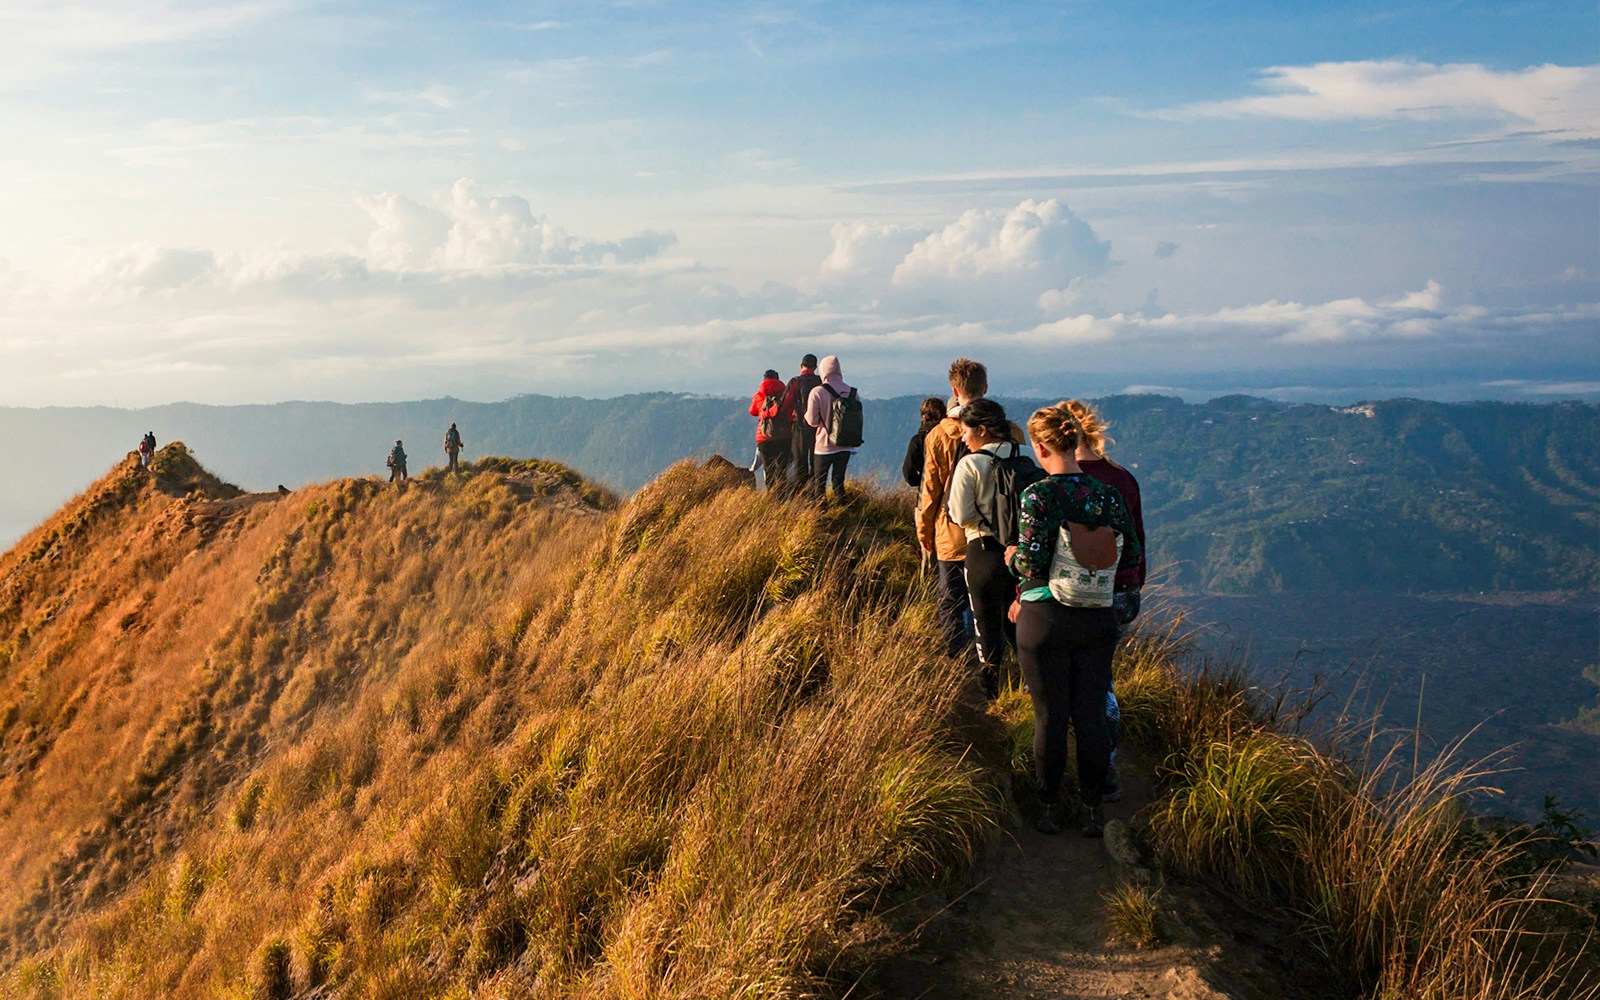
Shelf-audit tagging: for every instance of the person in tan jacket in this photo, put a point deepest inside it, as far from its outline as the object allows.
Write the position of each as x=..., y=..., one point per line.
x=945, y=540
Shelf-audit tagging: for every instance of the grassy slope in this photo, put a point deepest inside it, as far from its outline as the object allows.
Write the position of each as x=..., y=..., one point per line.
x=467, y=738
x=489, y=737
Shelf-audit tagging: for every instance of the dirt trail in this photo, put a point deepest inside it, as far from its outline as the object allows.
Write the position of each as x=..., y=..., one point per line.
x=1031, y=924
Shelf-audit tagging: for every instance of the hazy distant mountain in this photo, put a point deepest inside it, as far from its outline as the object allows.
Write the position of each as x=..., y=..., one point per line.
x=1241, y=494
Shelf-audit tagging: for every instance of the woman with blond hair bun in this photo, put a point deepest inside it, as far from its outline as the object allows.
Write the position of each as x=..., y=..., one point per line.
x=1092, y=458
x=1075, y=534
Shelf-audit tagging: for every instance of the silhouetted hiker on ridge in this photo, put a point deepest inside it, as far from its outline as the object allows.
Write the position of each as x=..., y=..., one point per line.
x=452, y=447
x=397, y=463
x=802, y=436
x=147, y=449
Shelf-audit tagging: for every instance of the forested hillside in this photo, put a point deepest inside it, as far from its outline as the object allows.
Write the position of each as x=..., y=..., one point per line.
x=1241, y=495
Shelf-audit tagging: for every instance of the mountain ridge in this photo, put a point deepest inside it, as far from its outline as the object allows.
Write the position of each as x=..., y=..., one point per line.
x=1242, y=495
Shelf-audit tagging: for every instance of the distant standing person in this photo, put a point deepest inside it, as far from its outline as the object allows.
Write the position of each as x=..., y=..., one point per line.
x=773, y=430
x=452, y=447
x=1074, y=530
x=834, y=410
x=147, y=449
x=803, y=436
x=397, y=463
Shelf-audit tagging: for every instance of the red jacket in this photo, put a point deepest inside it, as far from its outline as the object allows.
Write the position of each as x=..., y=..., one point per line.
x=769, y=387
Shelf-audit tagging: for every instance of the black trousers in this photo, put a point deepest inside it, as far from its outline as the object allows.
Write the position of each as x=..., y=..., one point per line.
x=990, y=590
x=774, y=463
x=953, y=607
x=830, y=470
x=803, y=449
x=1065, y=655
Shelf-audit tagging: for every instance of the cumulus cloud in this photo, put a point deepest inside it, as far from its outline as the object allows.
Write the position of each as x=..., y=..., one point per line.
x=144, y=269
x=474, y=230
x=1031, y=257
x=1558, y=99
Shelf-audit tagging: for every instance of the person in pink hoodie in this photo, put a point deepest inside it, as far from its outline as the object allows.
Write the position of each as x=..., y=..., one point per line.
x=772, y=431
x=838, y=426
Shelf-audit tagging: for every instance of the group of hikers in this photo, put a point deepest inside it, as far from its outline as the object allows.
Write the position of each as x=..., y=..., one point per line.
x=1042, y=553
x=452, y=449
x=812, y=423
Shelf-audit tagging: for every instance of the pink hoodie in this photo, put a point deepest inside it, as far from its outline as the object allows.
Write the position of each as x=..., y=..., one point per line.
x=821, y=402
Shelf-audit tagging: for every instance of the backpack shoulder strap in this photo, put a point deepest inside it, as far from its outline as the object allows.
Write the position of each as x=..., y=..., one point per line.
x=833, y=392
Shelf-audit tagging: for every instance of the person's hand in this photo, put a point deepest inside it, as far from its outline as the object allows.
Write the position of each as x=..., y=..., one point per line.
x=926, y=547
x=1011, y=551
x=1011, y=612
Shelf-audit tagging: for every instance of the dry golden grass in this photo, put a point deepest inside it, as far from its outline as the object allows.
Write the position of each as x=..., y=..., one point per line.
x=1374, y=861
x=495, y=736
x=479, y=737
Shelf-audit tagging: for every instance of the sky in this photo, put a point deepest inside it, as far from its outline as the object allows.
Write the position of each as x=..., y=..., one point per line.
x=284, y=199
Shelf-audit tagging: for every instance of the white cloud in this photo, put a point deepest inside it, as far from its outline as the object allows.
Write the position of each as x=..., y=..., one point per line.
x=1029, y=258
x=145, y=269
x=1560, y=99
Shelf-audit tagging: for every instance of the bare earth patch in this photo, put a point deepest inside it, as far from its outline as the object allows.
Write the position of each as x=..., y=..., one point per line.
x=1031, y=923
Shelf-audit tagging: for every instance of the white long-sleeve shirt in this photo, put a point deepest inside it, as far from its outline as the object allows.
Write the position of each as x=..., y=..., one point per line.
x=972, y=489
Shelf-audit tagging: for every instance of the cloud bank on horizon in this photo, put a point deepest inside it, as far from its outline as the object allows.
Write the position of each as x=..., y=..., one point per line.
x=243, y=202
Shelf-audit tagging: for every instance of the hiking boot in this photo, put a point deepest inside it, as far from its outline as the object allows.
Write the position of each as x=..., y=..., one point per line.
x=1049, y=820
x=991, y=682
x=1093, y=819
x=1113, y=791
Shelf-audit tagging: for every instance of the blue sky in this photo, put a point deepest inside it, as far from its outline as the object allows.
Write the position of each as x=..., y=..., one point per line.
x=249, y=202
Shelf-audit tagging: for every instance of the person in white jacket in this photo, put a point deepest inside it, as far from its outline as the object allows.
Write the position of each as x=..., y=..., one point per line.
x=831, y=458
x=987, y=435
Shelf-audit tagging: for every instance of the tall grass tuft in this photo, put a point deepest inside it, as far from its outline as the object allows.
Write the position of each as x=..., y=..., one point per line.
x=1370, y=853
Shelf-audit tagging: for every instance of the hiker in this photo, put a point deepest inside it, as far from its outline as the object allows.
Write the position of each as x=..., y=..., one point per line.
x=147, y=449
x=834, y=410
x=397, y=463
x=452, y=447
x=938, y=535
x=772, y=429
x=1074, y=533
x=1091, y=456
x=977, y=498
x=802, y=436
x=933, y=411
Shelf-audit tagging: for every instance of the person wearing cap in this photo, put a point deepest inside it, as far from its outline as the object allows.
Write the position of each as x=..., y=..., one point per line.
x=772, y=431
x=802, y=435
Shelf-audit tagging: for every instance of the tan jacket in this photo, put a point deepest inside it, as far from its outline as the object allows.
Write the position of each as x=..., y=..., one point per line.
x=941, y=449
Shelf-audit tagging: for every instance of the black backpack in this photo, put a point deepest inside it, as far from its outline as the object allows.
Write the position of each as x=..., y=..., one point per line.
x=845, y=427
x=1012, y=474
x=772, y=426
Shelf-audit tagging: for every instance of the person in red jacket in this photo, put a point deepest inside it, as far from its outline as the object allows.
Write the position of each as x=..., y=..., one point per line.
x=772, y=432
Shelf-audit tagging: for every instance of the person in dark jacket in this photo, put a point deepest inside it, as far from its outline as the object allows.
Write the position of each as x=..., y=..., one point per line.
x=397, y=463
x=772, y=430
x=802, y=435
x=933, y=411
x=452, y=448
